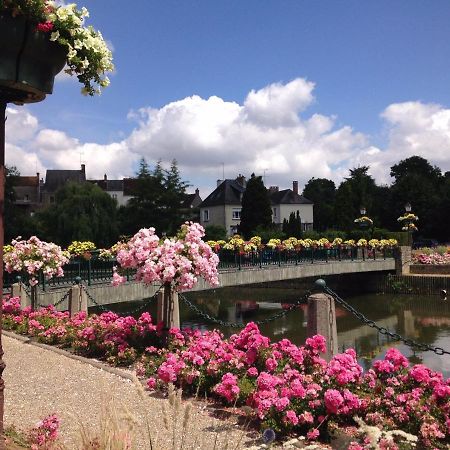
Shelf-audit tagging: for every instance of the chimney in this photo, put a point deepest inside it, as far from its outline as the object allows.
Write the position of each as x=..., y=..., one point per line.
x=105, y=178
x=219, y=182
x=83, y=168
x=241, y=180
x=197, y=192
x=295, y=187
x=273, y=189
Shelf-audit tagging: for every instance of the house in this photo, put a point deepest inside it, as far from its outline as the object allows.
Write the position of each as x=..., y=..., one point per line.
x=190, y=206
x=290, y=201
x=27, y=190
x=55, y=179
x=119, y=190
x=223, y=206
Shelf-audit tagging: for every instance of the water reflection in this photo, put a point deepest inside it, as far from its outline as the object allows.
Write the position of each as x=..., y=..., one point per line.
x=420, y=318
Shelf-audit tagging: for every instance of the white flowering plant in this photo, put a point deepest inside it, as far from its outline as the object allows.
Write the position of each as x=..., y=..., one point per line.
x=88, y=56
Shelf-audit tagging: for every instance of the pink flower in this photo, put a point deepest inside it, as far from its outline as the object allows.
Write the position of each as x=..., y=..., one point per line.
x=290, y=417
x=313, y=434
x=151, y=383
x=45, y=27
x=333, y=400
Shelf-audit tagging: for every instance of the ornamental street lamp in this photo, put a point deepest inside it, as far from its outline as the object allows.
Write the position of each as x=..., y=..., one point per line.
x=407, y=222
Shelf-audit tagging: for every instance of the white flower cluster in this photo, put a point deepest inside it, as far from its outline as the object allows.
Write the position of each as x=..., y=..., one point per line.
x=88, y=55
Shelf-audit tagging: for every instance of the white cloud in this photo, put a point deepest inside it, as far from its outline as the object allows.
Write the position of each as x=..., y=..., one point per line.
x=271, y=131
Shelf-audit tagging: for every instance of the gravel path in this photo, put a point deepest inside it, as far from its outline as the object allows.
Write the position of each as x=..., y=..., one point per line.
x=41, y=382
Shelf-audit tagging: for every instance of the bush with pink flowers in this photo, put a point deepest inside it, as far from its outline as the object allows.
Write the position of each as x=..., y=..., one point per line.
x=34, y=256
x=289, y=388
x=177, y=261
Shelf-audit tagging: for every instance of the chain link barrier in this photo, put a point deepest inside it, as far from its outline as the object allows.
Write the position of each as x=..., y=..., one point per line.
x=383, y=330
x=206, y=316
x=61, y=300
x=124, y=313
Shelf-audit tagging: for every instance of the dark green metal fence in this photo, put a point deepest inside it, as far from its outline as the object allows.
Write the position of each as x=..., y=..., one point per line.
x=95, y=270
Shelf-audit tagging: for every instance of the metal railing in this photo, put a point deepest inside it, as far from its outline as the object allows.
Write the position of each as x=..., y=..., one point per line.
x=96, y=270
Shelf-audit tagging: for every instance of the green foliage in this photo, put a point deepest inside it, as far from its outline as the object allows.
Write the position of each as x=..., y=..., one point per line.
x=82, y=212
x=256, y=210
x=331, y=235
x=215, y=233
x=322, y=192
x=269, y=232
x=157, y=202
x=293, y=226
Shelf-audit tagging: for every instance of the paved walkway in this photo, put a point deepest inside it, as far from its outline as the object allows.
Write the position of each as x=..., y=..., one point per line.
x=41, y=382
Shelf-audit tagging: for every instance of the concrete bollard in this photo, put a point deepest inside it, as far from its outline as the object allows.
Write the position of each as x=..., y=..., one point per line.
x=77, y=300
x=322, y=320
x=18, y=290
x=403, y=256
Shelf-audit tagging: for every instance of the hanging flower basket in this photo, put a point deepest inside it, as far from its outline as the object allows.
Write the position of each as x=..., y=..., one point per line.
x=29, y=61
x=38, y=39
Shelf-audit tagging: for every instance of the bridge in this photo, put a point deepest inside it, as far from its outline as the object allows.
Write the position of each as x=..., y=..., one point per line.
x=103, y=293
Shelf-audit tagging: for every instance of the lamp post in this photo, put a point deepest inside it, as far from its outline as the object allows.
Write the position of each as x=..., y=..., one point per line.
x=21, y=81
x=364, y=221
x=407, y=222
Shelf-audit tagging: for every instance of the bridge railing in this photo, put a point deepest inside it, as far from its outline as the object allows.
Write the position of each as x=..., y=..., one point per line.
x=96, y=270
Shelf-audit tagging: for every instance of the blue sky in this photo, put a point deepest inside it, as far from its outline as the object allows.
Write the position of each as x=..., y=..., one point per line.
x=373, y=75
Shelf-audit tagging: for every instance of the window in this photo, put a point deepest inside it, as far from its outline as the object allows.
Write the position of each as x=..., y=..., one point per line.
x=205, y=215
x=114, y=196
x=26, y=198
x=236, y=214
x=274, y=212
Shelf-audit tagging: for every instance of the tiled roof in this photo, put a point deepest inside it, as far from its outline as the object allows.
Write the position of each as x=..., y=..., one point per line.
x=109, y=185
x=26, y=181
x=55, y=179
x=229, y=192
x=288, y=197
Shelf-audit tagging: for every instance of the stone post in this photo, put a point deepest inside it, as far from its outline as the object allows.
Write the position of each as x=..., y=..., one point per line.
x=403, y=260
x=18, y=290
x=77, y=300
x=322, y=320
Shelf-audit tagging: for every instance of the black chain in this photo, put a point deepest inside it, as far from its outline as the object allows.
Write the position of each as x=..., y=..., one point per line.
x=276, y=316
x=64, y=297
x=134, y=311
x=383, y=330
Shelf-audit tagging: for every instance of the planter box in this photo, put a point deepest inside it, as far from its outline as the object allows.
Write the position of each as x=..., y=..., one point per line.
x=428, y=269
x=29, y=61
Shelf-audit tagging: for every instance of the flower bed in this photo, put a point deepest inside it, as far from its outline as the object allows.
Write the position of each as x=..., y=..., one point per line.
x=289, y=389
x=431, y=258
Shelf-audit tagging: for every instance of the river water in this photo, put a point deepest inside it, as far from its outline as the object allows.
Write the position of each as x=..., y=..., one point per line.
x=424, y=319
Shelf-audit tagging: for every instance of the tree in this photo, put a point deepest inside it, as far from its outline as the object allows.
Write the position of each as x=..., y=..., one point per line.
x=215, y=233
x=157, y=200
x=323, y=193
x=422, y=185
x=256, y=210
x=293, y=226
x=82, y=211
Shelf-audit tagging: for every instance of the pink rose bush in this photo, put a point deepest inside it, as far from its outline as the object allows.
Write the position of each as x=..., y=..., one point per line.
x=34, y=256
x=178, y=261
x=118, y=340
x=289, y=388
